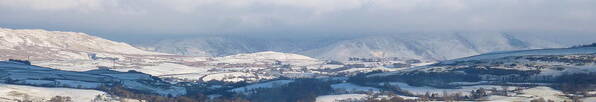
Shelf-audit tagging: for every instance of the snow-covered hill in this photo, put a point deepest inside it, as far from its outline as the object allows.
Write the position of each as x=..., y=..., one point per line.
x=217, y=46
x=41, y=44
x=547, y=72
x=267, y=57
x=422, y=46
x=427, y=46
x=543, y=65
x=12, y=72
x=537, y=52
x=19, y=93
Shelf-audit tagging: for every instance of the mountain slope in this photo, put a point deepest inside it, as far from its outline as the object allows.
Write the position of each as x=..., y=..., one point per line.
x=557, y=65
x=215, y=46
x=14, y=72
x=267, y=56
x=424, y=46
x=41, y=44
x=427, y=46
x=16, y=93
x=537, y=52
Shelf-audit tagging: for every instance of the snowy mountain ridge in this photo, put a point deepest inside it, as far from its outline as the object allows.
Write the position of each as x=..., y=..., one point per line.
x=217, y=46
x=421, y=46
x=428, y=46
x=42, y=44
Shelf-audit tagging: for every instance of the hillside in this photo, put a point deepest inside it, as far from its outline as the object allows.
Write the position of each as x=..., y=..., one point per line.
x=428, y=46
x=421, y=46
x=267, y=57
x=16, y=93
x=525, y=66
x=12, y=72
x=42, y=45
x=217, y=46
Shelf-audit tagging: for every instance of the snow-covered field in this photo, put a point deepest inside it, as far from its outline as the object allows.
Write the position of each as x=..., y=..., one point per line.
x=589, y=99
x=168, y=69
x=353, y=97
x=230, y=77
x=464, y=90
x=338, y=98
x=267, y=57
x=534, y=93
x=10, y=93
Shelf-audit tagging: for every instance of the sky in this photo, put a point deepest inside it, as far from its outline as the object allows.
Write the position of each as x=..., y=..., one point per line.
x=156, y=18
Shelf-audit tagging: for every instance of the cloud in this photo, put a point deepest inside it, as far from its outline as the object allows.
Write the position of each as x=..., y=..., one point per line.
x=297, y=16
x=49, y=5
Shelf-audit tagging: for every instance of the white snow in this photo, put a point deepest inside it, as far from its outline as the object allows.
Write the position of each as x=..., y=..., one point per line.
x=495, y=98
x=366, y=70
x=10, y=92
x=526, y=95
x=464, y=90
x=547, y=93
x=42, y=44
x=589, y=99
x=267, y=57
x=338, y=98
x=167, y=69
x=230, y=77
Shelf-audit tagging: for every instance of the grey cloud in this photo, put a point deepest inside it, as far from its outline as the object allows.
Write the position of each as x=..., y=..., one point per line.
x=298, y=16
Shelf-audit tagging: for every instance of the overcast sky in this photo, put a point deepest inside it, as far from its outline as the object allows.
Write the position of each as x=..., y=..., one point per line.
x=297, y=17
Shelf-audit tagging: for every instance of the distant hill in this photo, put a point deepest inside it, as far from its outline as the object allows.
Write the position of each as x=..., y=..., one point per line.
x=423, y=46
x=23, y=74
x=42, y=44
x=523, y=66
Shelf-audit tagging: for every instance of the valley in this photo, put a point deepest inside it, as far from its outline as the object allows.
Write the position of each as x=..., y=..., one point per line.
x=108, y=74
x=297, y=51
